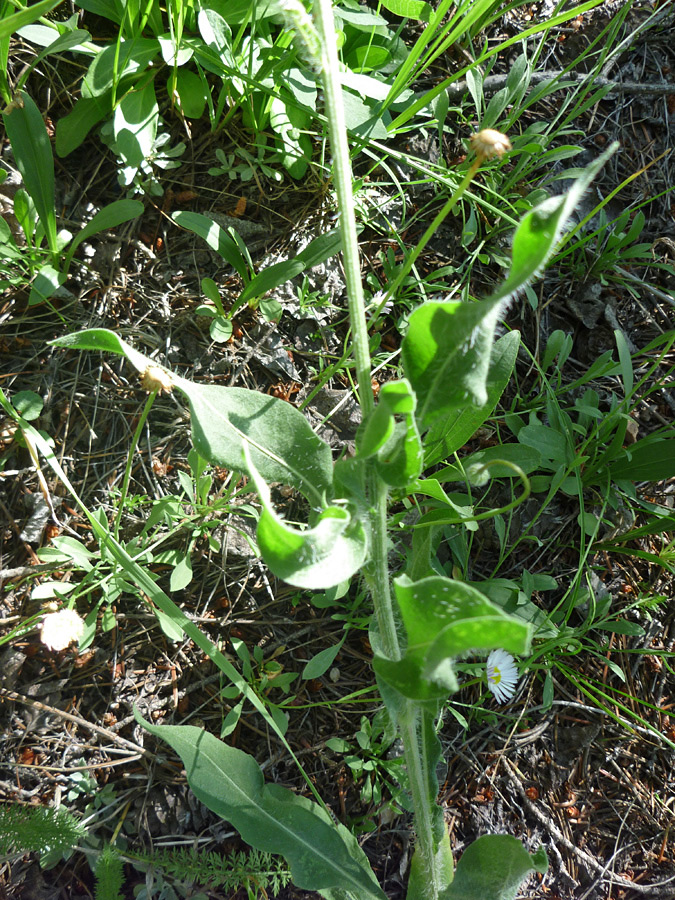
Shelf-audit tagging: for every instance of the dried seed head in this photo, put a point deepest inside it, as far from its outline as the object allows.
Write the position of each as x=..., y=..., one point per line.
x=488, y=143
x=156, y=379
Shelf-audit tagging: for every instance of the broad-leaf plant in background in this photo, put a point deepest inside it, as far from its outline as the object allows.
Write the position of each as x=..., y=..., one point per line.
x=453, y=373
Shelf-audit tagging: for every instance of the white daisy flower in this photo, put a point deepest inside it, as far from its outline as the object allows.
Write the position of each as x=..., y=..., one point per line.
x=502, y=675
x=59, y=629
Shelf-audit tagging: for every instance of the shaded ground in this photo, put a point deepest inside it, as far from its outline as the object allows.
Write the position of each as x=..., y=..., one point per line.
x=593, y=786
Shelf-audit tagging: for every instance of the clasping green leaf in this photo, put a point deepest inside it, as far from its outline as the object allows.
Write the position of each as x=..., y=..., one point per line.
x=320, y=557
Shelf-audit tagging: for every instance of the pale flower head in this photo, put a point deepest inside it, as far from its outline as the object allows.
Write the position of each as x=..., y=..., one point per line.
x=154, y=378
x=488, y=143
x=502, y=675
x=60, y=629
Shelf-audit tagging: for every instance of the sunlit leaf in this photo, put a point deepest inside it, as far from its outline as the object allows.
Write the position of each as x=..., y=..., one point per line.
x=494, y=866
x=322, y=855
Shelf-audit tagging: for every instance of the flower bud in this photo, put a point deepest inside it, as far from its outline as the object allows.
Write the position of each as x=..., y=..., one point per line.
x=488, y=143
x=156, y=379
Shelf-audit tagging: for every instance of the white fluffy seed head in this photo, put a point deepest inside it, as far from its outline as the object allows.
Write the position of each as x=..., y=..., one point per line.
x=60, y=629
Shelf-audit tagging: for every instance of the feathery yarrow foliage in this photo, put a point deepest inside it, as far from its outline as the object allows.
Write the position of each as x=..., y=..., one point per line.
x=37, y=829
x=251, y=870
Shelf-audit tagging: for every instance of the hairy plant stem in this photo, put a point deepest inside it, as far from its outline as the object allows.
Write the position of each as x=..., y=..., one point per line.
x=342, y=176
x=377, y=570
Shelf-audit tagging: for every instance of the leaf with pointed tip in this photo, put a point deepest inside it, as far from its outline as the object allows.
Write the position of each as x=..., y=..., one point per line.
x=446, y=351
x=282, y=445
x=444, y=619
x=322, y=856
x=32, y=151
x=450, y=432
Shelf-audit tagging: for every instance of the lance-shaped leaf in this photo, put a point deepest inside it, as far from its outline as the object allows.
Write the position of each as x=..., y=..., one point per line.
x=12, y=23
x=446, y=351
x=217, y=238
x=33, y=154
x=320, y=557
x=110, y=216
x=494, y=866
x=281, y=442
x=443, y=619
x=322, y=856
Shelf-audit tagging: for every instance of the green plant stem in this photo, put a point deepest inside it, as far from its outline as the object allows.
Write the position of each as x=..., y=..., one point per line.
x=410, y=728
x=377, y=570
x=130, y=459
x=342, y=176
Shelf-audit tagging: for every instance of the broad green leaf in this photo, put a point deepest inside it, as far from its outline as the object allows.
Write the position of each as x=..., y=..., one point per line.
x=362, y=119
x=322, y=661
x=116, y=61
x=110, y=216
x=191, y=93
x=28, y=404
x=220, y=330
x=446, y=351
x=282, y=445
x=135, y=122
x=493, y=867
x=322, y=855
x=409, y=9
x=217, y=239
x=109, y=9
x=52, y=41
x=33, y=155
x=45, y=285
x=444, y=619
x=72, y=129
x=319, y=557
x=446, y=355
x=12, y=23
x=182, y=574
x=290, y=123
x=449, y=433
x=551, y=444
x=651, y=459
x=213, y=28
x=172, y=54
